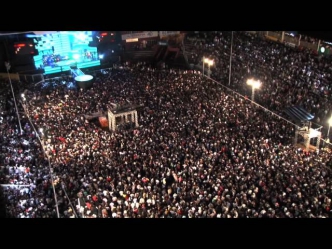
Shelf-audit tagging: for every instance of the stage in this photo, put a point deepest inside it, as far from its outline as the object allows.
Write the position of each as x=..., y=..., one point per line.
x=63, y=66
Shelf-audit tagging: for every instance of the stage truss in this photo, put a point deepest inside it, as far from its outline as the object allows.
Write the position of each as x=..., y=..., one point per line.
x=126, y=115
x=307, y=133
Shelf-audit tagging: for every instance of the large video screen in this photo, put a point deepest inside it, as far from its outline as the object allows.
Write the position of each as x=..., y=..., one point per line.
x=59, y=50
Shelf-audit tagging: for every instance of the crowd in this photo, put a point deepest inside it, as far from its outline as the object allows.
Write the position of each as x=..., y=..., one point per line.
x=289, y=76
x=198, y=152
x=22, y=164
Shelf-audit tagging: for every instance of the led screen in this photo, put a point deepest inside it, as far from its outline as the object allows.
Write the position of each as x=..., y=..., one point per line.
x=59, y=50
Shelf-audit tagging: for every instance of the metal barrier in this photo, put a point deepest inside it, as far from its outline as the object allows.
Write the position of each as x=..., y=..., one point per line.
x=31, y=78
x=35, y=78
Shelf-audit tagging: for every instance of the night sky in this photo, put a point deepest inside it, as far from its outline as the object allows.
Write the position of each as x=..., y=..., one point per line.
x=323, y=35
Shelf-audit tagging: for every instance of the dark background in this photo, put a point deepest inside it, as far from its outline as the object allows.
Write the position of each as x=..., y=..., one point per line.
x=323, y=35
x=24, y=62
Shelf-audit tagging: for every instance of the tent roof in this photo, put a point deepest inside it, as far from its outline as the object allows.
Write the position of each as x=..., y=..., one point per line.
x=298, y=114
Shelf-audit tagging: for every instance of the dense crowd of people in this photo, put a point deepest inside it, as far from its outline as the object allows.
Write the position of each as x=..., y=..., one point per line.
x=199, y=152
x=289, y=76
x=22, y=164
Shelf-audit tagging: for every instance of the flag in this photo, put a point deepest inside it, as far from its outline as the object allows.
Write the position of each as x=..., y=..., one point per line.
x=7, y=64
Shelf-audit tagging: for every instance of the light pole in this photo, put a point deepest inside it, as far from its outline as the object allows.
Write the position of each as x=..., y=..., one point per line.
x=328, y=131
x=48, y=159
x=254, y=85
x=64, y=190
x=210, y=63
x=230, y=62
x=7, y=64
x=204, y=60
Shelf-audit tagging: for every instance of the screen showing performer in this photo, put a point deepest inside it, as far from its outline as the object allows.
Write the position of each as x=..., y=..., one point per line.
x=59, y=50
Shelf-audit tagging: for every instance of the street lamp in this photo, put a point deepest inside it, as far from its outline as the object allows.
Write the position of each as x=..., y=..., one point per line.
x=209, y=62
x=255, y=84
x=328, y=131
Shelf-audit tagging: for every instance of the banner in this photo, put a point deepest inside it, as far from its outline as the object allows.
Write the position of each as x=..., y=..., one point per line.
x=132, y=40
x=145, y=34
x=167, y=33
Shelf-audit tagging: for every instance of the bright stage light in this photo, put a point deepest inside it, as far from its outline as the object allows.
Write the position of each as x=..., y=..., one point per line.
x=101, y=56
x=83, y=78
